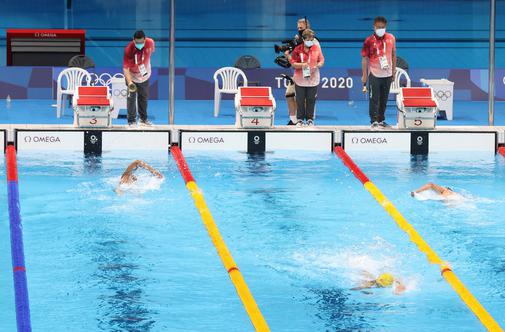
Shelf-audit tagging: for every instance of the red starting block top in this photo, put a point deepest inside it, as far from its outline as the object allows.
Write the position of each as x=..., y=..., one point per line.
x=255, y=91
x=419, y=102
x=93, y=101
x=256, y=101
x=416, y=92
x=92, y=91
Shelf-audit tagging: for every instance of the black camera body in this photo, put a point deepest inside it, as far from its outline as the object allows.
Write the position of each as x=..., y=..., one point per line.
x=286, y=45
x=282, y=61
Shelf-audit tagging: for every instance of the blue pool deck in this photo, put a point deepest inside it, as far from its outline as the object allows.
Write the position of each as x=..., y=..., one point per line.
x=200, y=112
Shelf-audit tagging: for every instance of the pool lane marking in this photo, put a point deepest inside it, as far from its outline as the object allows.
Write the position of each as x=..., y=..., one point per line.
x=445, y=270
x=236, y=277
x=501, y=150
x=17, y=249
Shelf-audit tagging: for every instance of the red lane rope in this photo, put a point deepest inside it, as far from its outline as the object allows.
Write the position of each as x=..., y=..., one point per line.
x=501, y=150
x=352, y=166
x=181, y=163
x=12, y=169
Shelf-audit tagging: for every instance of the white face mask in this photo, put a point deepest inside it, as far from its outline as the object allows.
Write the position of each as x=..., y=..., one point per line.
x=380, y=32
x=309, y=43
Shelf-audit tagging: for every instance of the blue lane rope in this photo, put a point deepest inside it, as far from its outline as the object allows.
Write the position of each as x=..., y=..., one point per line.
x=17, y=248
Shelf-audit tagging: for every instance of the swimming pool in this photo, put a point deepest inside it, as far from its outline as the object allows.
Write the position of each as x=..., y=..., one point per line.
x=299, y=225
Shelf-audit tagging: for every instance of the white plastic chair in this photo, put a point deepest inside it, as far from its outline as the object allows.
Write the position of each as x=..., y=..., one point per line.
x=74, y=77
x=229, y=78
x=395, y=85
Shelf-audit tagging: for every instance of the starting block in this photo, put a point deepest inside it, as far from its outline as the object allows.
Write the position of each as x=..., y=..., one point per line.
x=255, y=107
x=92, y=107
x=417, y=108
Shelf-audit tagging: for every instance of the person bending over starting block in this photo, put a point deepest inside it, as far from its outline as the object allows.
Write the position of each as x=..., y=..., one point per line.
x=129, y=178
x=443, y=191
x=383, y=281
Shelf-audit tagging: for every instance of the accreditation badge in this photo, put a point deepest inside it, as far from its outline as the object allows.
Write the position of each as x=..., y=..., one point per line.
x=384, y=62
x=142, y=70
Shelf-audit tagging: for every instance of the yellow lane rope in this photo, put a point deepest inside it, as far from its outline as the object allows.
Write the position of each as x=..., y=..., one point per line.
x=236, y=277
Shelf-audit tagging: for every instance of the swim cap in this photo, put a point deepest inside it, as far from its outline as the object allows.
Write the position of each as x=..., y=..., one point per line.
x=385, y=280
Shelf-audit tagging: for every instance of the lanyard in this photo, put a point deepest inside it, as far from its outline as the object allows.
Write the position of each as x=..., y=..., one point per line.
x=301, y=57
x=384, y=42
x=136, y=61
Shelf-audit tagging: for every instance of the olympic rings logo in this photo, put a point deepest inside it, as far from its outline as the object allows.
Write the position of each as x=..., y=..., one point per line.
x=443, y=95
x=119, y=92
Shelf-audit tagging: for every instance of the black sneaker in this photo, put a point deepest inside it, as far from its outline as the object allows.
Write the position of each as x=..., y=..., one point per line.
x=383, y=124
x=145, y=123
x=374, y=125
x=291, y=123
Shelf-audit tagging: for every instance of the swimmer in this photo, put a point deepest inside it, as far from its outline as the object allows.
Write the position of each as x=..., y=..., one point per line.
x=129, y=178
x=443, y=191
x=383, y=281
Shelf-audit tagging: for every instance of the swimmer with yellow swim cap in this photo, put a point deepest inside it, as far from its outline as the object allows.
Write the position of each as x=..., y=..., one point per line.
x=382, y=281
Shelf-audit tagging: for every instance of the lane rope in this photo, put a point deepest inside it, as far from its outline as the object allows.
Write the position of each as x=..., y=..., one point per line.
x=234, y=273
x=445, y=270
x=17, y=248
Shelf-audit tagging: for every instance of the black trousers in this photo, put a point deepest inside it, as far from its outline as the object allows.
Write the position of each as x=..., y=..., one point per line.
x=305, y=102
x=138, y=101
x=378, y=88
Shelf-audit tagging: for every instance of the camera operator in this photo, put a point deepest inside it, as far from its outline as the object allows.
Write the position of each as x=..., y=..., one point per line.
x=306, y=59
x=301, y=25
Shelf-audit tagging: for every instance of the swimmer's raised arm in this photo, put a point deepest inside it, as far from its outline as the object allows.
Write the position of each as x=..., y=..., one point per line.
x=128, y=176
x=145, y=165
x=433, y=186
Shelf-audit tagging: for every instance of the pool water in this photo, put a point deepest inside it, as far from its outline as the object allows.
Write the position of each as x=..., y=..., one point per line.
x=300, y=227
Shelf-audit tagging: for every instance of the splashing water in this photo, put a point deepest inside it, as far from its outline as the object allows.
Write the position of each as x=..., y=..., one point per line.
x=144, y=183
